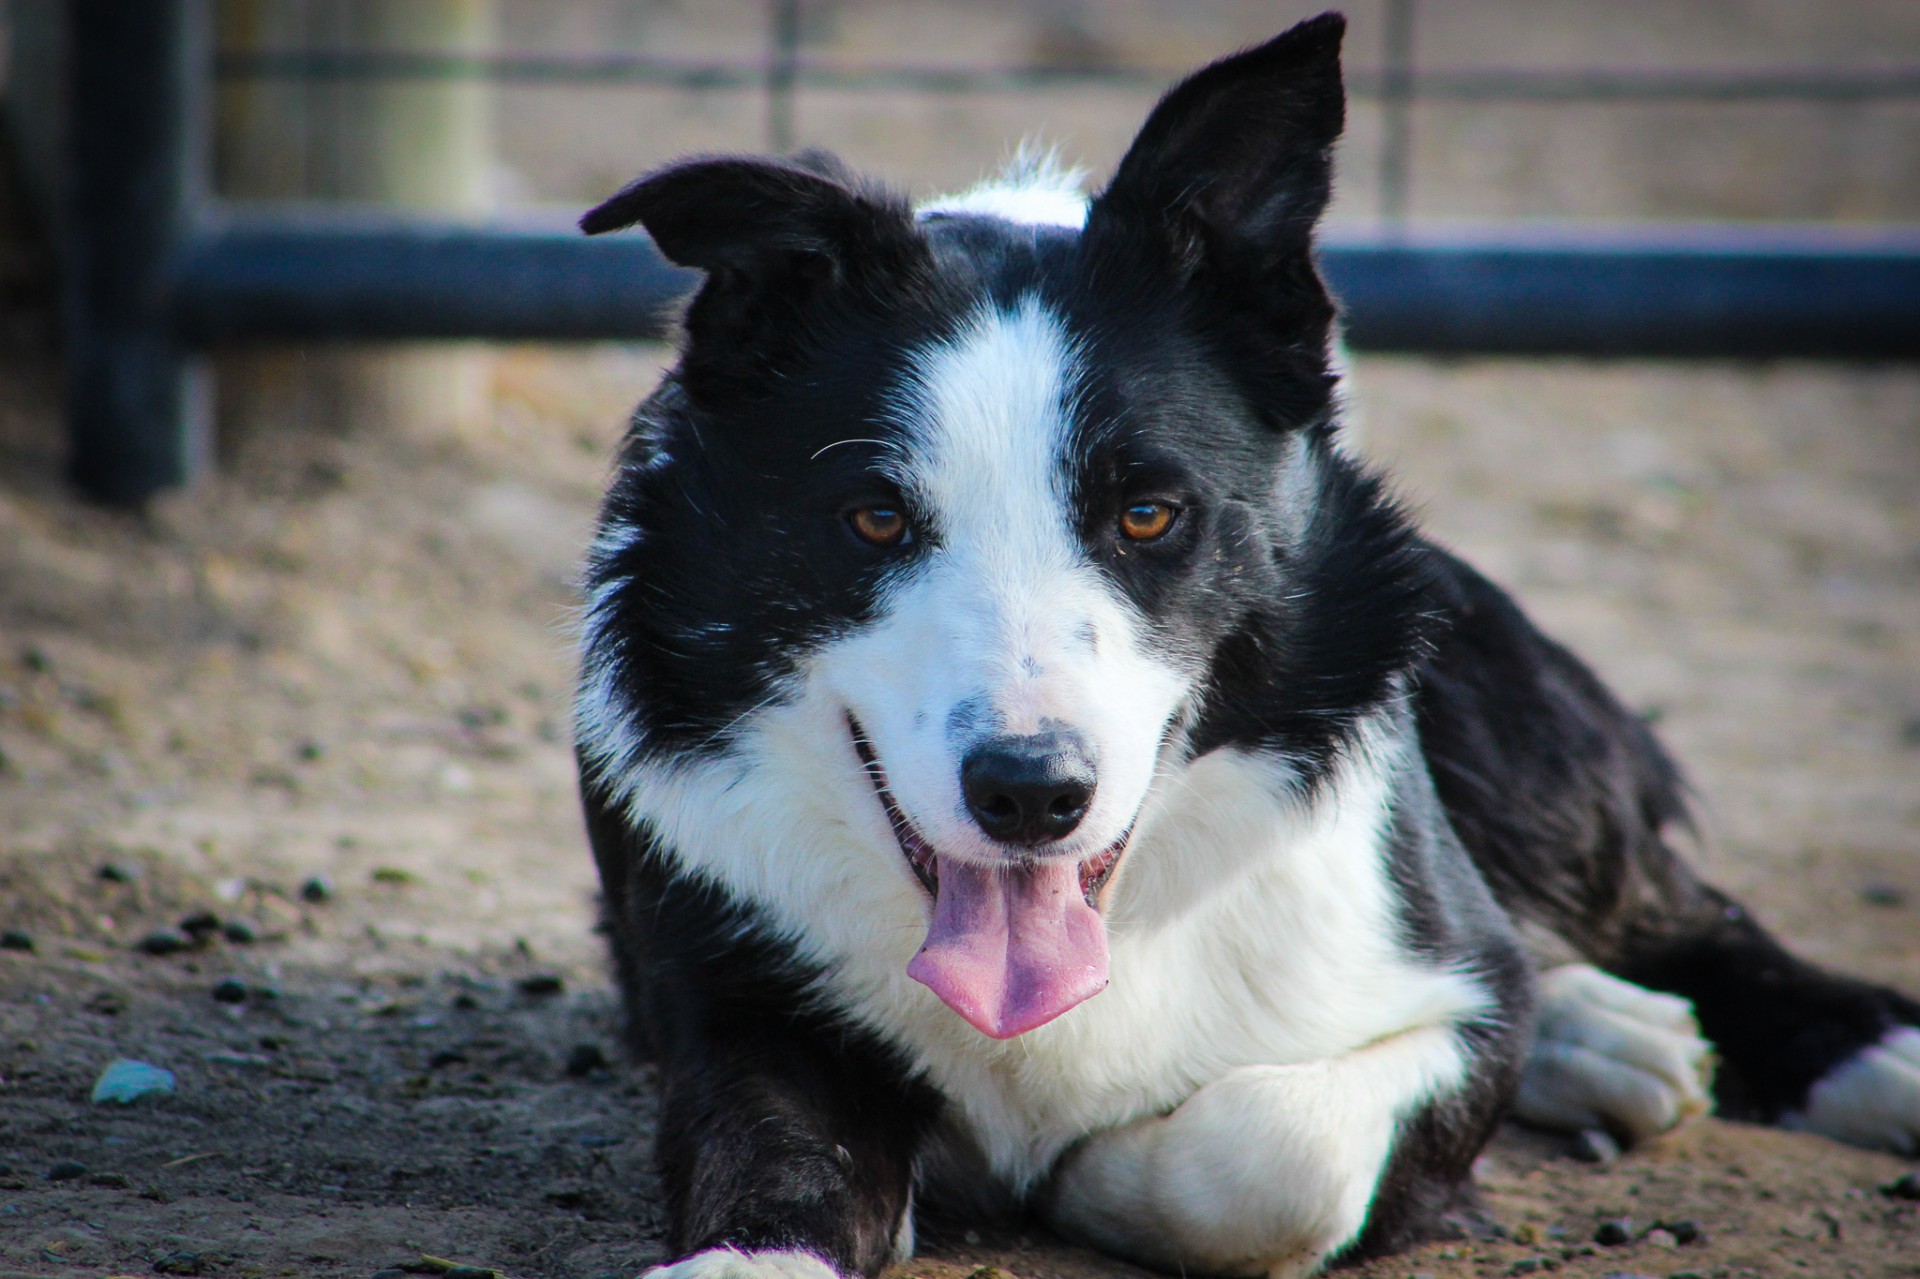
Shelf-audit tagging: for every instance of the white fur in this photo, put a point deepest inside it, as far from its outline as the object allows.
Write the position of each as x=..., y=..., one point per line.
x=1872, y=1100
x=1612, y=1055
x=731, y=1263
x=1249, y=928
x=1035, y=189
x=1266, y=1170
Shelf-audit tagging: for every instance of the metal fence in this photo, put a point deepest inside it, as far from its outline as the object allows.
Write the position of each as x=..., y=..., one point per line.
x=157, y=271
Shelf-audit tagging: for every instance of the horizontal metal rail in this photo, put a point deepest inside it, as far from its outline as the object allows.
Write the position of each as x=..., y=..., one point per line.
x=1865, y=84
x=1714, y=291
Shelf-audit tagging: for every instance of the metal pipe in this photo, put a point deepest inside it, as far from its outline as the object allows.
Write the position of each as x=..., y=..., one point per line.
x=138, y=416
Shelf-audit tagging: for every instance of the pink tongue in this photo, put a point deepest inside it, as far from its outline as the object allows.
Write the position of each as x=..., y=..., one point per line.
x=1012, y=948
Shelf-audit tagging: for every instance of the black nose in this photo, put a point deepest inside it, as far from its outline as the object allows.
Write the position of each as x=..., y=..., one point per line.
x=1028, y=790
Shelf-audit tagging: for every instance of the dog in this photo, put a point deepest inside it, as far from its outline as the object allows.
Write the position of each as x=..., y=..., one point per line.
x=1034, y=770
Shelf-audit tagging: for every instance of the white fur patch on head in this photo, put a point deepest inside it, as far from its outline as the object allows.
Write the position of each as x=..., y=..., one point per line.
x=1034, y=189
x=1612, y=1055
x=1872, y=1099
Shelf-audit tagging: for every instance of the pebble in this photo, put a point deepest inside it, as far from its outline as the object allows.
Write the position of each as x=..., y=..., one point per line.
x=316, y=888
x=585, y=1059
x=1614, y=1232
x=14, y=939
x=66, y=1170
x=119, y=872
x=542, y=984
x=1880, y=893
x=200, y=925
x=1905, y=1186
x=1684, y=1232
x=231, y=991
x=1659, y=1238
x=1595, y=1146
x=165, y=941
x=240, y=932
x=126, y=1081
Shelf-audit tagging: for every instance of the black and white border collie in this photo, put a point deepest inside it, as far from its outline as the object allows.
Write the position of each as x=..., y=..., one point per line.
x=1033, y=769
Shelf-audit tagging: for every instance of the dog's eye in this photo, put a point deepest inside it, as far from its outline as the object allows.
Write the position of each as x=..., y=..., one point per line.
x=879, y=525
x=1146, y=521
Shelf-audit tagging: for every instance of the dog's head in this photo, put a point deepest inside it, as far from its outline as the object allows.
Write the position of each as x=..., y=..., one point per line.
x=1038, y=509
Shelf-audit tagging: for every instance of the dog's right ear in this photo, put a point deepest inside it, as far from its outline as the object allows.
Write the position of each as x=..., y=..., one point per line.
x=774, y=237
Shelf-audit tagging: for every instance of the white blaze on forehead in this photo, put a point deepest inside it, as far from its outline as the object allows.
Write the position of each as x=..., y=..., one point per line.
x=985, y=450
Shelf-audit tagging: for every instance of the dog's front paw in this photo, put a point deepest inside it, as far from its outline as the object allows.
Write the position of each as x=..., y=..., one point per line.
x=1872, y=1099
x=1609, y=1054
x=733, y=1263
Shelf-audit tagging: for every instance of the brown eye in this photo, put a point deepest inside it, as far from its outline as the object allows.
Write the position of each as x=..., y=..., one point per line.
x=878, y=525
x=1145, y=521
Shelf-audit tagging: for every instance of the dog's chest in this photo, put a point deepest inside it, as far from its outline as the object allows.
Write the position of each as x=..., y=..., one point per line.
x=1248, y=932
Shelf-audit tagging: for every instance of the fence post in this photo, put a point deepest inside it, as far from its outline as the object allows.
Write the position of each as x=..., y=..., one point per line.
x=137, y=404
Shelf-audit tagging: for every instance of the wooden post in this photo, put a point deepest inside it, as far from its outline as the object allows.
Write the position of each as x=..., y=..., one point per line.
x=420, y=144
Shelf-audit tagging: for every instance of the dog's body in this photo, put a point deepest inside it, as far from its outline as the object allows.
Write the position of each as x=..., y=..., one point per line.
x=1030, y=765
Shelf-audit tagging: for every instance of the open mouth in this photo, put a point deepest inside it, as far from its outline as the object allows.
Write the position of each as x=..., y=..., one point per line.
x=1095, y=871
x=1009, y=947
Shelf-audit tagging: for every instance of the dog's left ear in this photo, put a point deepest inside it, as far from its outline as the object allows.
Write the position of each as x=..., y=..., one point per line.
x=1233, y=168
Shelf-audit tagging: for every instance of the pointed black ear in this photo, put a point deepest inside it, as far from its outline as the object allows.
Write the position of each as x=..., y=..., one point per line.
x=774, y=237
x=1236, y=162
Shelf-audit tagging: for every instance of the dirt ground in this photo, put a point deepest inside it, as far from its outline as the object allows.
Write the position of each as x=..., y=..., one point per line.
x=346, y=658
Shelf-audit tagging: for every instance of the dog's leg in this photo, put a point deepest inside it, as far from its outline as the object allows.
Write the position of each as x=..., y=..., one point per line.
x=787, y=1140
x=1268, y=1170
x=1568, y=806
x=1609, y=1054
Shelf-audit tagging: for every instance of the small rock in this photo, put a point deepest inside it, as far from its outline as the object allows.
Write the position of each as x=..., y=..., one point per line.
x=126, y=1081
x=446, y=1057
x=119, y=872
x=67, y=1170
x=110, y=1180
x=541, y=984
x=231, y=991
x=1905, y=1186
x=165, y=941
x=1880, y=893
x=1613, y=1232
x=1595, y=1146
x=1684, y=1232
x=585, y=1059
x=240, y=932
x=316, y=888
x=200, y=925
x=14, y=939
x=1662, y=1239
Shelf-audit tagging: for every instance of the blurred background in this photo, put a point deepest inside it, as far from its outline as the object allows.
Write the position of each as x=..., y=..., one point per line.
x=322, y=689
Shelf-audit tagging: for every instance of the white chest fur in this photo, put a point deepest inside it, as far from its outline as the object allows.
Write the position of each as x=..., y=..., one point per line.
x=1246, y=928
